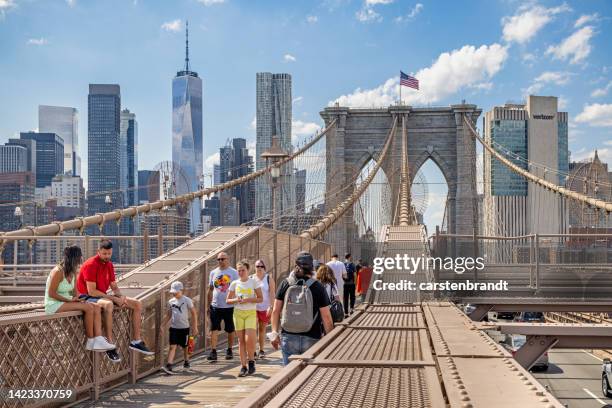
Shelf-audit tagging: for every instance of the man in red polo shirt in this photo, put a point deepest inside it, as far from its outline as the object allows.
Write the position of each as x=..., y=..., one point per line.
x=97, y=275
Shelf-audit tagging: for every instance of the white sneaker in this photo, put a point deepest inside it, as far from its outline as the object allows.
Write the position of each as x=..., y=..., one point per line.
x=90, y=344
x=101, y=344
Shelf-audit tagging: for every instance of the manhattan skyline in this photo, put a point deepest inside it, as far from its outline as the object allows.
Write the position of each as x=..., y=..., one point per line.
x=349, y=51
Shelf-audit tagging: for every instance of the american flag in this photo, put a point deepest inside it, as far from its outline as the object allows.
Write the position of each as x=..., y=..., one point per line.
x=409, y=81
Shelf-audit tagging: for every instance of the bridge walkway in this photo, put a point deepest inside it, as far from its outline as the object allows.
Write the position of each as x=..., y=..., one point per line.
x=211, y=385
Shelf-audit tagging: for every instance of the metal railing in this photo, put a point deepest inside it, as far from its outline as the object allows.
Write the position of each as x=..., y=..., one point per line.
x=536, y=261
x=47, y=351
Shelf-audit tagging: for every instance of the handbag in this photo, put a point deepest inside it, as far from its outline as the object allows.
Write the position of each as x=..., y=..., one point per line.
x=335, y=307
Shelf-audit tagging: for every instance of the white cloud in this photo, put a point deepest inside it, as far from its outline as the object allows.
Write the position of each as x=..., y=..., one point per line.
x=555, y=77
x=37, y=41
x=529, y=19
x=174, y=25
x=602, y=91
x=253, y=124
x=210, y=161
x=597, y=114
x=562, y=102
x=297, y=100
x=452, y=71
x=413, y=13
x=300, y=129
x=5, y=5
x=211, y=2
x=289, y=58
x=368, y=14
x=586, y=18
x=312, y=19
x=71, y=3
x=575, y=46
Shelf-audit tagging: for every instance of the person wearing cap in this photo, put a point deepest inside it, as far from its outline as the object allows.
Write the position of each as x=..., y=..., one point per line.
x=180, y=309
x=298, y=343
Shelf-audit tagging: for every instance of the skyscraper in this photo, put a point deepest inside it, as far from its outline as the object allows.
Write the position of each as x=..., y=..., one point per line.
x=13, y=159
x=187, y=132
x=104, y=159
x=63, y=121
x=273, y=119
x=49, y=156
x=129, y=157
x=537, y=133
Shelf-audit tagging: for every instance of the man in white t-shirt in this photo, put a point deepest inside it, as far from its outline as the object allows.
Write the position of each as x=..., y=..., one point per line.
x=339, y=273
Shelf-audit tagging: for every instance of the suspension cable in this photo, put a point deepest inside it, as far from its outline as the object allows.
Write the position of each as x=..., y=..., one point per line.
x=320, y=227
x=116, y=215
x=601, y=204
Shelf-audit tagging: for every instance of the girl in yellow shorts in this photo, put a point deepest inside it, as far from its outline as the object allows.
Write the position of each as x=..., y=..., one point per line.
x=244, y=294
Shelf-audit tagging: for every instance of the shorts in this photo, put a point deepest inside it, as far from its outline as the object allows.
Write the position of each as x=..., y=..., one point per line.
x=89, y=299
x=225, y=314
x=179, y=337
x=245, y=319
x=262, y=317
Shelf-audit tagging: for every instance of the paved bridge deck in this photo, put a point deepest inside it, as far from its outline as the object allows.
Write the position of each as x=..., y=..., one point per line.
x=211, y=385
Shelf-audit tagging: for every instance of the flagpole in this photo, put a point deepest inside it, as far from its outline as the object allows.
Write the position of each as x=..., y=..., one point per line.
x=400, y=88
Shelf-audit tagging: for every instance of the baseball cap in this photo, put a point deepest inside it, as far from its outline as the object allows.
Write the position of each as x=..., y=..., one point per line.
x=304, y=260
x=176, y=287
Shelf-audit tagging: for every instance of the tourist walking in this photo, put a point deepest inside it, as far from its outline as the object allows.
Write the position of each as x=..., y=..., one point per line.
x=264, y=309
x=349, y=286
x=220, y=311
x=244, y=294
x=339, y=273
x=301, y=310
x=180, y=310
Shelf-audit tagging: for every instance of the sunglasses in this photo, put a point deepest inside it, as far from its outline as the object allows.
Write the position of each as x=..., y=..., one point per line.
x=221, y=259
x=259, y=266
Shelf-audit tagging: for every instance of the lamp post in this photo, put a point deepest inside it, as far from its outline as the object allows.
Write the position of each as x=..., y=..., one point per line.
x=19, y=215
x=273, y=156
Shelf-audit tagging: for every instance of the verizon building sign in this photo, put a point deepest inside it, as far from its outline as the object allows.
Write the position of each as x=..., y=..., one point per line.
x=544, y=117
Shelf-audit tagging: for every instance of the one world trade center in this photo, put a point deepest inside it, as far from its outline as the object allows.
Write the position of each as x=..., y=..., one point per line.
x=187, y=134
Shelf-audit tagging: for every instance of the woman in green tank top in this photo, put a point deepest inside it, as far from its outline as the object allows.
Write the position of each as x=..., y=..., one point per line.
x=60, y=297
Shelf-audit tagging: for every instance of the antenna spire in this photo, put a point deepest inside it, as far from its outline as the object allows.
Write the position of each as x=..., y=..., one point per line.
x=187, y=45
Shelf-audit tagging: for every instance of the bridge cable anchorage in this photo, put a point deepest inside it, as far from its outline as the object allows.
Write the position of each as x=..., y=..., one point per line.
x=601, y=204
x=334, y=215
x=80, y=223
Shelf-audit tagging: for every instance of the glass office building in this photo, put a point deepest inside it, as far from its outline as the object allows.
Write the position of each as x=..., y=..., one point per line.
x=537, y=133
x=63, y=121
x=187, y=149
x=103, y=148
x=49, y=156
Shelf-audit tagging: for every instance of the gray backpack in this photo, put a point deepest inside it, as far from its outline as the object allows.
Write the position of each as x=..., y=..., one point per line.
x=297, y=314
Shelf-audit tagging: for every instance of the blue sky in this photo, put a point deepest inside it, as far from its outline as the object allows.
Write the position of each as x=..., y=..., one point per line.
x=486, y=52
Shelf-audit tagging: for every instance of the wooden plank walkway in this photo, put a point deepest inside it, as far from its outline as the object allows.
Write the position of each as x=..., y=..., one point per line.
x=210, y=385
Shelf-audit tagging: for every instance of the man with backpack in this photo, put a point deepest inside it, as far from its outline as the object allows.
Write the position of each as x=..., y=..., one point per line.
x=301, y=310
x=349, y=285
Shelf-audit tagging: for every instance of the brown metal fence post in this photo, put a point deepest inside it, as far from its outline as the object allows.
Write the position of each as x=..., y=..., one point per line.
x=96, y=376
x=537, y=261
x=145, y=243
x=15, y=249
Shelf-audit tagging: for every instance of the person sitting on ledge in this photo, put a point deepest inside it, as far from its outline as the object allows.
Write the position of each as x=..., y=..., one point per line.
x=60, y=297
x=97, y=275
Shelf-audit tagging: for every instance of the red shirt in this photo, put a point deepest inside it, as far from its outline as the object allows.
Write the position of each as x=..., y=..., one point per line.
x=94, y=270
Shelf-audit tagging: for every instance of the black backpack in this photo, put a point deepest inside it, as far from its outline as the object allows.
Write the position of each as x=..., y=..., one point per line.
x=335, y=307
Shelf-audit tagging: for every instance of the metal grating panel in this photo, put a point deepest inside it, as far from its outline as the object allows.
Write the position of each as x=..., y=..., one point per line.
x=392, y=321
x=367, y=387
x=378, y=345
